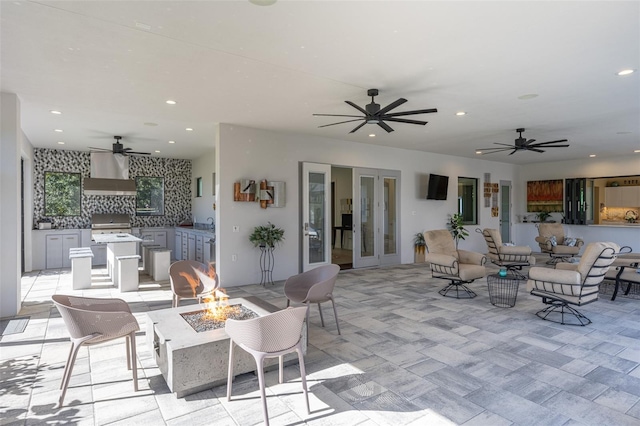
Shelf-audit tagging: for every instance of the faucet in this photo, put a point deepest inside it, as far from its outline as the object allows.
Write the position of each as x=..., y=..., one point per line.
x=213, y=225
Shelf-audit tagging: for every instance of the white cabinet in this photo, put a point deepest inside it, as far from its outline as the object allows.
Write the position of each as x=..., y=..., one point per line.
x=158, y=237
x=57, y=249
x=178, y=245
x=622, y=196
x=191, y=246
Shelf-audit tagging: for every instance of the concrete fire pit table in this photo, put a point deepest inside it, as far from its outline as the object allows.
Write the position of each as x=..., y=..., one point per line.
x=192, y=361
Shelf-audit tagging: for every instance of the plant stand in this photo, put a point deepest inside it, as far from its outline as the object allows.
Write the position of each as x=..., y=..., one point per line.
x=266, y=264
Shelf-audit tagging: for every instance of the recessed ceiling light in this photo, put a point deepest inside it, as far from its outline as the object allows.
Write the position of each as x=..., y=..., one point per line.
x=626, y=72
x=53, y=111
x=478, y=152
x=372, y=135
x=57, y=130
x=637, y=150
x=461, y=113
x=60, y=143
x=528, y=96
x=172, y=141
x=170, y=102
x=157, y=151
x=592, y=155
x=150, y=124
x=189, y=129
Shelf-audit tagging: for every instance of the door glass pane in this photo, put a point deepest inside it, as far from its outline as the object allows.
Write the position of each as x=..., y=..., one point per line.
x=390, y=214
x=367, y=213
x=317, y=213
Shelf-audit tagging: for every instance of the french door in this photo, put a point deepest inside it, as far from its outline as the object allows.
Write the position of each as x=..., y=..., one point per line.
x=316, y=212
x=376, y=213
x=505, y=210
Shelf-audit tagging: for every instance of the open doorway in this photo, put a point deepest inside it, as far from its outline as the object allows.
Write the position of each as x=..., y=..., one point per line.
x=342, y=217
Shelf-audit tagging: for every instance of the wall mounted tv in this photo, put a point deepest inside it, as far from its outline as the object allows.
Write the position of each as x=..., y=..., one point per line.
x=437, y=187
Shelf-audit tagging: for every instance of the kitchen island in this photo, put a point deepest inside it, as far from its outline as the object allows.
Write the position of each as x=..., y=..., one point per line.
x=117, y=245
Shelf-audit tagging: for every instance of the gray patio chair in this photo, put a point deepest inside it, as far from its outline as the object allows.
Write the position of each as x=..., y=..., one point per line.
x=270, y=336
x=91, y=321
x=191, y=280
x=314, y=286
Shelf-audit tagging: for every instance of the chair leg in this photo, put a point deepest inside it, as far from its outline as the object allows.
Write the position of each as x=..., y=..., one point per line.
x=556, y=308
x=303, y=375
x=335, y=312
x=134, y=361
x=281, y=369
x=128, y=350
x=66, y=366
x=230, y=370
x=66, y=378
x=263, y=395
x=288, y=302
x=321, y=318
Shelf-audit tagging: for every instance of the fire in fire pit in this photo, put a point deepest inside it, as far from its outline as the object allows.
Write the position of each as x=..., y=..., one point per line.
x=202, y=320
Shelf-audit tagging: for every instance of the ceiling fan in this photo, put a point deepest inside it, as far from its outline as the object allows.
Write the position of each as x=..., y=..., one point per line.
x=522, y=144
x=374, y=115
x=118, y=148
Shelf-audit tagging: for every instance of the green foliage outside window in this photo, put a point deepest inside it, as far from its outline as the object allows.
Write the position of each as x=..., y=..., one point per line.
x=62, y=194
x=149, y=196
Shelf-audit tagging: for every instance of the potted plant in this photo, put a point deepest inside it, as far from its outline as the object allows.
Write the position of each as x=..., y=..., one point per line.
x=456, y=227
x=419, y=247
x=543, y=216
x=266, y=236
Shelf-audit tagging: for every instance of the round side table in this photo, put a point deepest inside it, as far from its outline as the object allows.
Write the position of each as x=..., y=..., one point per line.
x=503, y=291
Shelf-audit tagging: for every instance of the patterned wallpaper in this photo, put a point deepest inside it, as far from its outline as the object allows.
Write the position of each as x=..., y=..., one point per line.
x=177, y=189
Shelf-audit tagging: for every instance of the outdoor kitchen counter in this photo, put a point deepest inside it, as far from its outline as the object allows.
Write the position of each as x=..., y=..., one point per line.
x=117, y=245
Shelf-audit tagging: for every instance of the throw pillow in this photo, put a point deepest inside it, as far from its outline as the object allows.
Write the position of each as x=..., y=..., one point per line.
x=570, y=242
x=553, y=241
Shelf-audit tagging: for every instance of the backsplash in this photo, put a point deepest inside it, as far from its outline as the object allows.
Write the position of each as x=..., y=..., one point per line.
x=177, y=189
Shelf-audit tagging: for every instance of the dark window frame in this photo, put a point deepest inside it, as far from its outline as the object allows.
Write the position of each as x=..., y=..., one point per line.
x=468, y=218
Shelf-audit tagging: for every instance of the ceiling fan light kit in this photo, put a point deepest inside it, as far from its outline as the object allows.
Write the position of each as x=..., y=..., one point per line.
x=373, y=114
x=522, y=144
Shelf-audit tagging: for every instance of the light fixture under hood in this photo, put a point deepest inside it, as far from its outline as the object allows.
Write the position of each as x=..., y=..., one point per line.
x=109, y=175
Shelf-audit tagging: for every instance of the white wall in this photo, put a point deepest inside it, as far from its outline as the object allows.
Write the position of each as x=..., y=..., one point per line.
x=11, y=138
x=204, y=167
x=259, y=154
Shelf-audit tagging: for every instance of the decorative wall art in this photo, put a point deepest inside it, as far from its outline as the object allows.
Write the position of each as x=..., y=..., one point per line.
x=544, y=196
x=267, y=193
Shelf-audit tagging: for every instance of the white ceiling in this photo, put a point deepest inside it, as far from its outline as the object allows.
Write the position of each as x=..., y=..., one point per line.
x=109, y=66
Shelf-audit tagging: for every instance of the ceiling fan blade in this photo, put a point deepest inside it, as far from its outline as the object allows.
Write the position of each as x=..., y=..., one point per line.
x=334, y=115
x=362, y=110
x=391, y=106
x=549, y=146
x=100, y=149
x=385, y=126
x=341, y=122
x=417, y=111
x=359, y=125
x=404, y=120
x=550, y=142
x=513, y=152
x=138, y=153
x=492, y=150
x=535, y=150
x=503, y=144
x=529, y=141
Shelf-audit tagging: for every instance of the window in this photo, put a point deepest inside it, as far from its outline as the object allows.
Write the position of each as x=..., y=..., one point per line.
x=199, y=187
x=149, y=196
x=468, y=200
x=62, y=194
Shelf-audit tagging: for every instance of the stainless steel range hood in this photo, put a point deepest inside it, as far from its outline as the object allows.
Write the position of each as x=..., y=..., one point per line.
x=109, y=175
